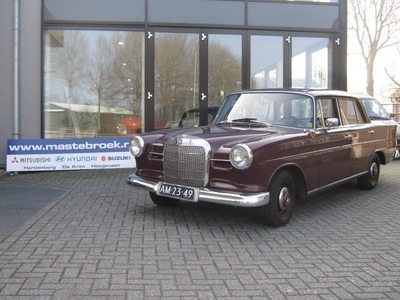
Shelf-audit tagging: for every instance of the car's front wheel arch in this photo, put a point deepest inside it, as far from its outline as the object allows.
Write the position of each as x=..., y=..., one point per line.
x=298, y=177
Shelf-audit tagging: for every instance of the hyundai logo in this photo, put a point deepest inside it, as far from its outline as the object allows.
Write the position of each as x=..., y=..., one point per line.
x=60, y=159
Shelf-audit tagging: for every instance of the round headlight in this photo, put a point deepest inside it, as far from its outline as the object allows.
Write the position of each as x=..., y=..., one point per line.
x=241, y=156
x=136, y=145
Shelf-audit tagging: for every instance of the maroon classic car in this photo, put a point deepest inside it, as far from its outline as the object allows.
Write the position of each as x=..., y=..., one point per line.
x=264, y=149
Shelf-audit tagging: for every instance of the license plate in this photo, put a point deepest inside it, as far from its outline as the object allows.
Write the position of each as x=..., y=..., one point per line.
x=177, y=191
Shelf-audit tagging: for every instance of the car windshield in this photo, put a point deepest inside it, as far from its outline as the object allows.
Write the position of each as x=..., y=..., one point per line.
x=281, y=109
x=375, y=110
x=191, y=117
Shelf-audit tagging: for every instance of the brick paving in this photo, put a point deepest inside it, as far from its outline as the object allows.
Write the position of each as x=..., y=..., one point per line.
x=103, y=239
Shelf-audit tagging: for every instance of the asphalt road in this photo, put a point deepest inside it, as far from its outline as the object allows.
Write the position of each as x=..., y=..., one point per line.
x=20, y=202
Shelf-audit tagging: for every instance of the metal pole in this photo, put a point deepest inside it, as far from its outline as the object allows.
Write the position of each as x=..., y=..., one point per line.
x=16, y=132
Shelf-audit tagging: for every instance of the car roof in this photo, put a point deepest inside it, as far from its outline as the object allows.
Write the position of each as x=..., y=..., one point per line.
x=310, y=92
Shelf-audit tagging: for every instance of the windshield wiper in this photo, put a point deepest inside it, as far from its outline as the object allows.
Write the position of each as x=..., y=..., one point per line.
x=251, y=121
x=245, y=120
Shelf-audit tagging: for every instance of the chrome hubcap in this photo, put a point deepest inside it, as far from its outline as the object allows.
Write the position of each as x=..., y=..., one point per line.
x=373, y=170
x=284, y=198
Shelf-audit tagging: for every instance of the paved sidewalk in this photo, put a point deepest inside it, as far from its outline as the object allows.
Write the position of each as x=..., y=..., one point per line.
x=102, y=239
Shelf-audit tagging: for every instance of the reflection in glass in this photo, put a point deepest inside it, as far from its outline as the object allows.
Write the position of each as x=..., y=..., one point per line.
x=311, y=63
x=191, y=117
x=93, y=83
x=224, y=66
x=266, y=61
x=263, y=109
x=176, y=76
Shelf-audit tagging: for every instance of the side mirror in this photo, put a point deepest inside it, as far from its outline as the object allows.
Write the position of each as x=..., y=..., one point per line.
x=332, y=122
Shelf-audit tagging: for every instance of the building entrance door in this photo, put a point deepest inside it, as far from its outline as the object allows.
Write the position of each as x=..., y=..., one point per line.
x=176, y=77
x=224, y=66
x=311, y=61
x=189, y=75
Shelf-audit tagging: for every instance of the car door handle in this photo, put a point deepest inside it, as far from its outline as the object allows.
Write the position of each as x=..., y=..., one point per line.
x=371, y=131
x=347, y=136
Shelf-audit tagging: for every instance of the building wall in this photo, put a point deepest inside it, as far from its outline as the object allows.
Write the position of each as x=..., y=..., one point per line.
x=6, y=75
x=30, y=72
x=30, y=85
x=30, y=69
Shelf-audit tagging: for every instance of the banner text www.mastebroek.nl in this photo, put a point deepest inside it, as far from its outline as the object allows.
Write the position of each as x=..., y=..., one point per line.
x=69, y=154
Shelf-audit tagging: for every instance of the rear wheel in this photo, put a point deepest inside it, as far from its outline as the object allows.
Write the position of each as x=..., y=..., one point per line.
x=282, y=199
x=370, y=180
x=163, y=201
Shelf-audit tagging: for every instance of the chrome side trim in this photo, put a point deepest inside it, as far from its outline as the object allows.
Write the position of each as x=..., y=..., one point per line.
x=336, y=183
x=206, y=195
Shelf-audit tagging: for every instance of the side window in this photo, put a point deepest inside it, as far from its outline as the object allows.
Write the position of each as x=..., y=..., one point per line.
x=350, y=111
x=360, y=116
x=326, y=108
x=347, y=111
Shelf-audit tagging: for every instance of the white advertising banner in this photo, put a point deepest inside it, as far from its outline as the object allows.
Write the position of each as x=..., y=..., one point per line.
x=69, y=154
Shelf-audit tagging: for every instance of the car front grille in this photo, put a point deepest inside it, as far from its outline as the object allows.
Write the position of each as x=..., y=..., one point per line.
x=186, y=161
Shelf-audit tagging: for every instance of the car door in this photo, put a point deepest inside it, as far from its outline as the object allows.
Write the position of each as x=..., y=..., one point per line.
x=362, y=133
x=334, y=141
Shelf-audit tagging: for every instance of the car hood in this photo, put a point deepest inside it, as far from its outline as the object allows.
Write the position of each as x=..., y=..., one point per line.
x=227, y=135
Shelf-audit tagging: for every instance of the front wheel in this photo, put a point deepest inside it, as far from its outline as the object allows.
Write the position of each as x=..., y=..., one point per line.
x=163, y=201
x=282, y=199
x=370, y=180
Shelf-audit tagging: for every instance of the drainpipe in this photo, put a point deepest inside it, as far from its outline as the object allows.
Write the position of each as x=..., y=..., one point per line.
x=16, y=132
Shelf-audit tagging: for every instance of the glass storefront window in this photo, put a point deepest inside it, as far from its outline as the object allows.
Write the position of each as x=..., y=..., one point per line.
x=311, y=62
x=176, y=77
x=224, y=66
x=266, y=61
x=93, y=83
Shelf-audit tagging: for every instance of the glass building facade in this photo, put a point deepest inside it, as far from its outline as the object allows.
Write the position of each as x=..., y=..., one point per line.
x=116, y=67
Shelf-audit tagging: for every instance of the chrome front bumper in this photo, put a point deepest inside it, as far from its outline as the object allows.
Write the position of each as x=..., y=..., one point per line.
x=206, y=195
x=396, y=154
